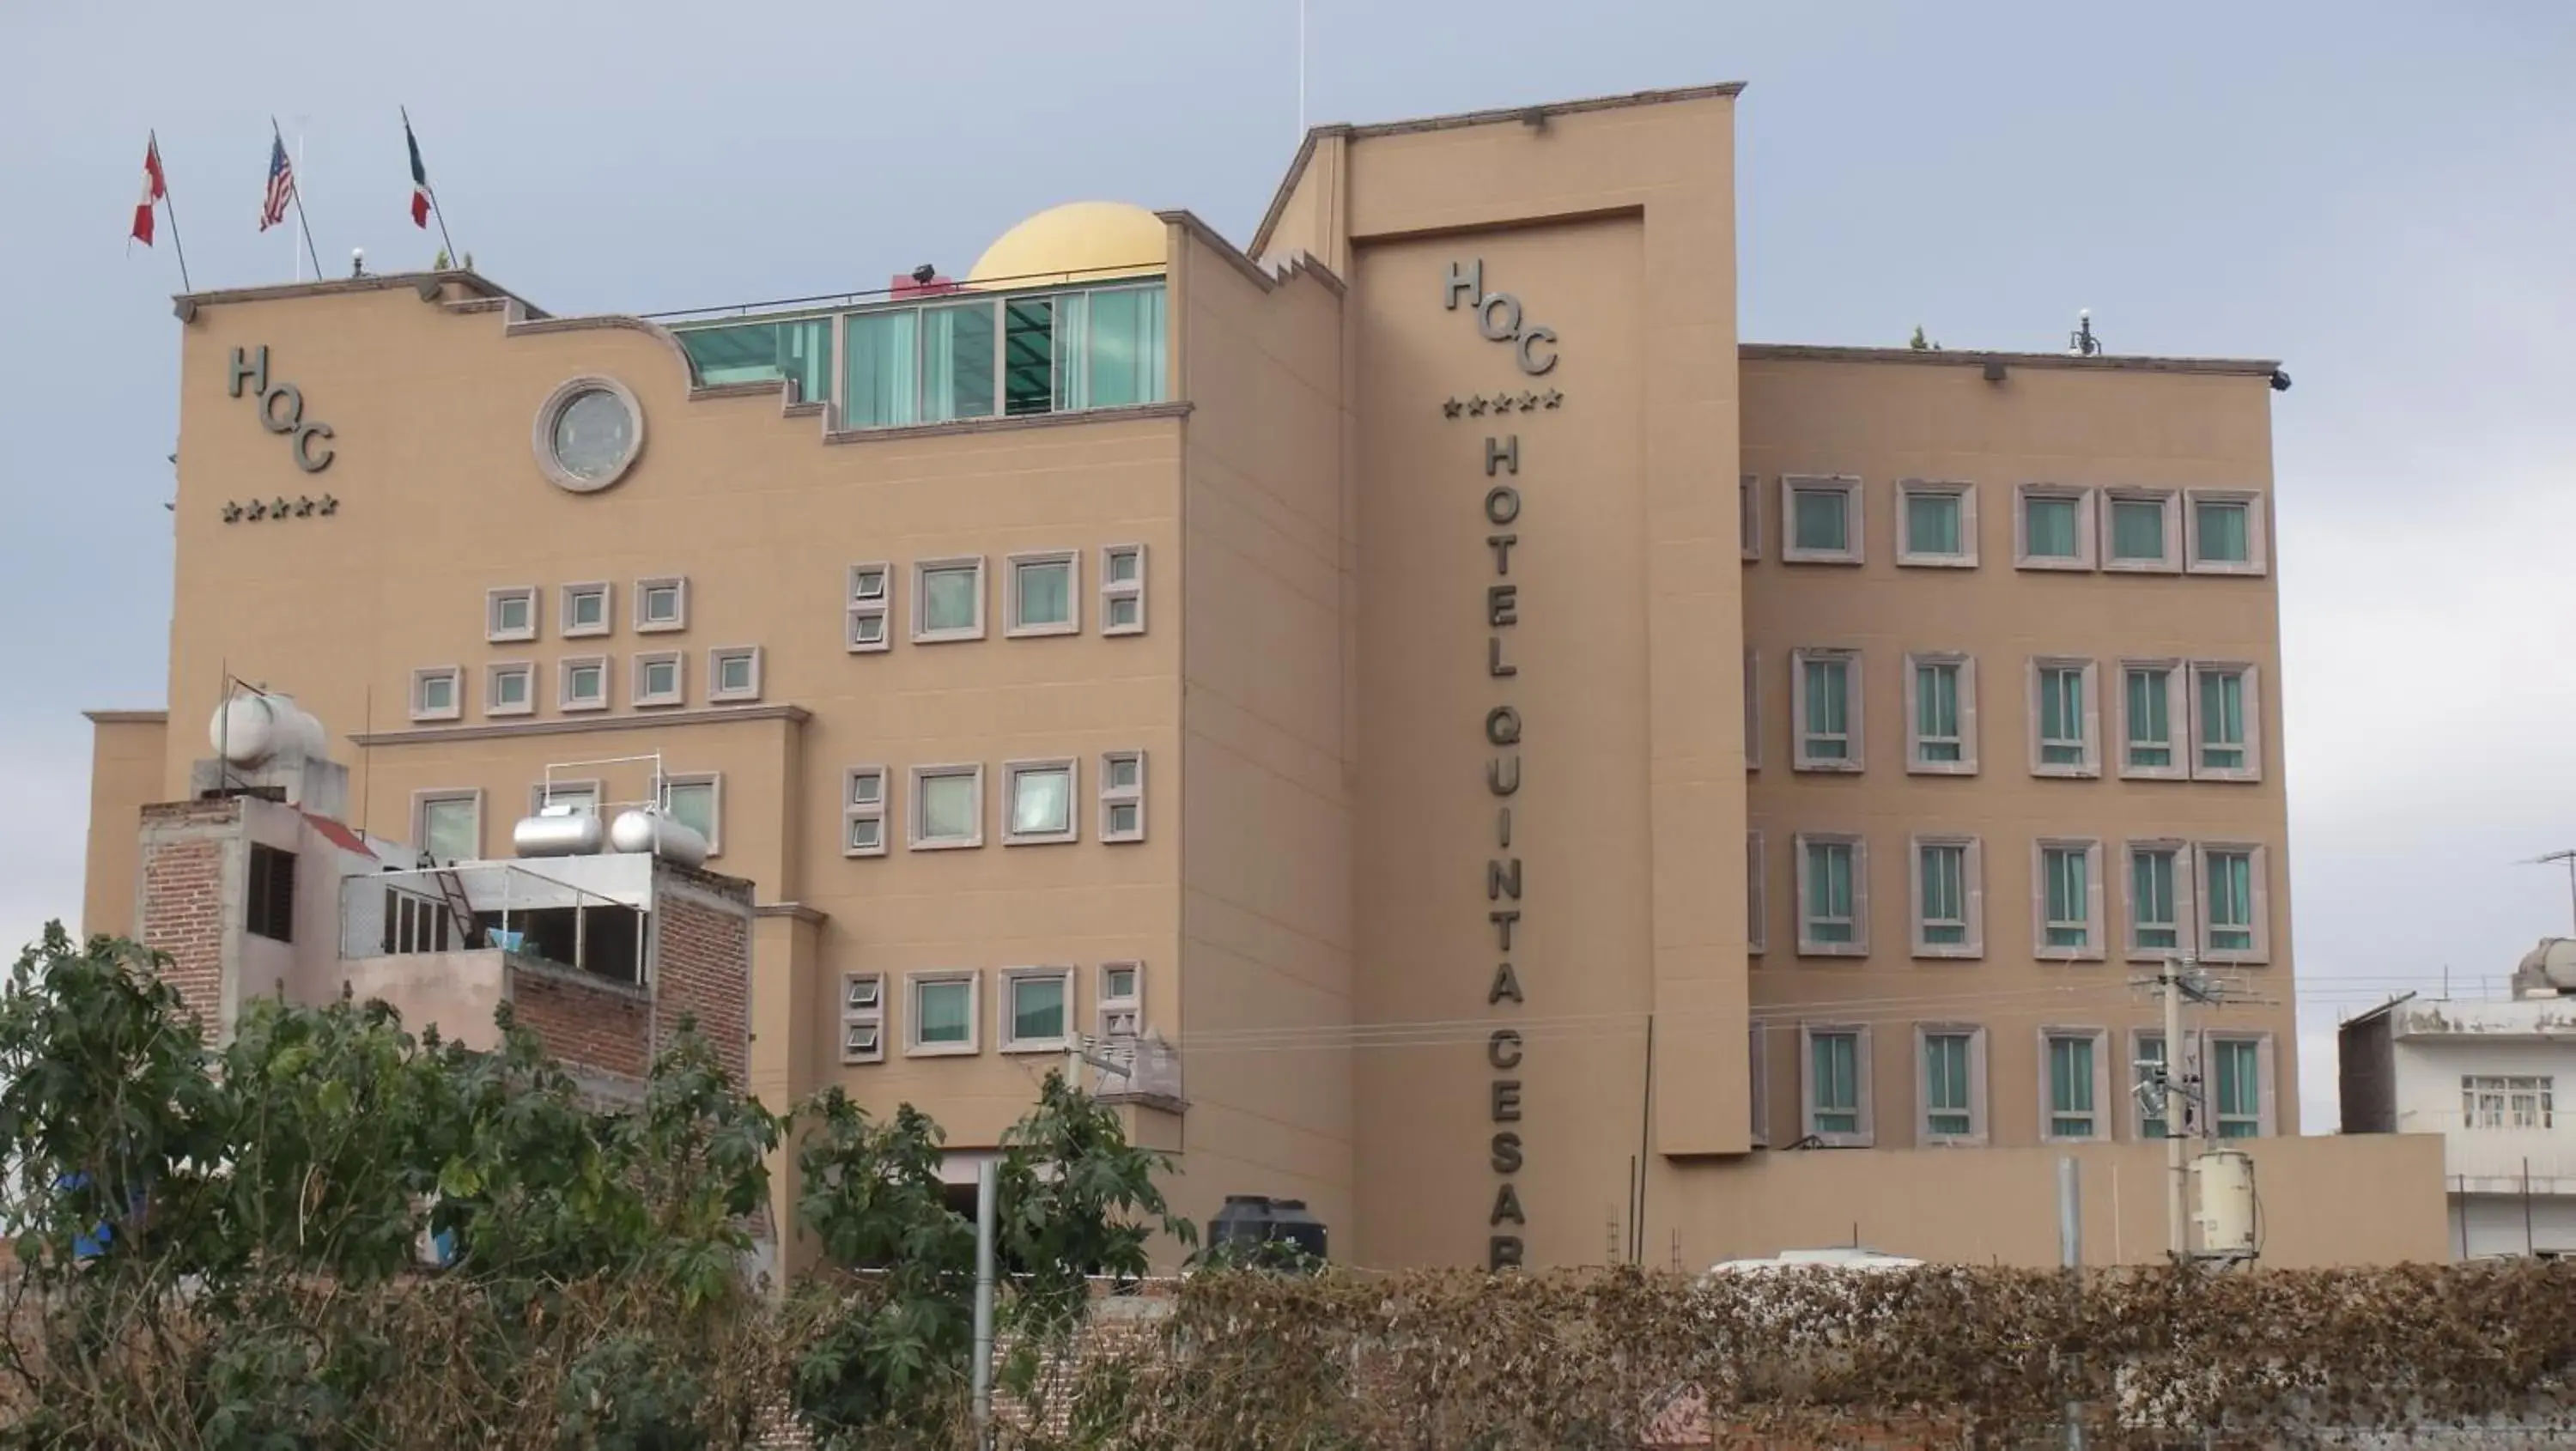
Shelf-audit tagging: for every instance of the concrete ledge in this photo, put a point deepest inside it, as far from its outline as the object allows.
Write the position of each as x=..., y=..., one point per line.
x=584, y=725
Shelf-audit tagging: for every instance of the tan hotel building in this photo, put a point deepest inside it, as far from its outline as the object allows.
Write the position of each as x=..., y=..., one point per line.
x=1492, y=754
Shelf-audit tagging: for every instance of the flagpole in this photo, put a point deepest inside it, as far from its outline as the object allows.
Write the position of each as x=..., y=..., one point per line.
x=154, y=142
x=297, y=193
x=454, y=258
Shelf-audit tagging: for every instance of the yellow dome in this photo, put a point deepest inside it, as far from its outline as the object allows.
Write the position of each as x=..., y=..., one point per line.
x=1076, y=242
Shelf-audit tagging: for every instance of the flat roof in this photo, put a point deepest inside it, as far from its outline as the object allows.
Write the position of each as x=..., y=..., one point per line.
x=1963, y=358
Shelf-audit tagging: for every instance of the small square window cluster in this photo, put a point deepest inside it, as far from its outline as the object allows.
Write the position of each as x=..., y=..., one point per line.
x=946, y=599
x=939, y=1012
x=941, y=806
x=586, y=682
x=2082, y=528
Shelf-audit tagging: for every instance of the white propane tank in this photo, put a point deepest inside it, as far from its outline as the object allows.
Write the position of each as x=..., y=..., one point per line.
x=666, y=837
x=570, y=833
x=2222, y=1183
x=251, y=728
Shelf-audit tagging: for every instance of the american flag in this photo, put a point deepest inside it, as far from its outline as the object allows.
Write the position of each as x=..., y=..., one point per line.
x=281, y=185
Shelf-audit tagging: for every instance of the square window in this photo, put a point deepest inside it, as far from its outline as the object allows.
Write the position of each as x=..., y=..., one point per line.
x=585, y=610
x=2234, y=898
x=1042, y=593
x=867, y=606
x=447, y=826
x=863, y=1042
x=1748, y=514
x=1936, y=524
x=509, y=688
x=661, y=605
x=947, y=807
x=2067, y=901
x=659, y=678
x=948, y=599
x=1826, y=709
x=1833, y=896
x=510, y=614
x=2072, y=1085
x=866, y=836
x=1953, y=1060
x=1038, y=803
x=697, y=802
x=1122, y=589
x=2226, y=708
x=2225, y=531
x=942, y=1016
x=1122, y=796
x=2065, y=718
x=434, y=693
x=1837, y=1085
x=1941, y=715
x=2142, y=531
x=2151, y=705
x=863, y=804
x=2159, y=899
x=583, y=683
x=1122, y=1000
x=1037, y=1009
x=1949, y=897
x=1820, y=515
x=2053, y=528
x=733, y=673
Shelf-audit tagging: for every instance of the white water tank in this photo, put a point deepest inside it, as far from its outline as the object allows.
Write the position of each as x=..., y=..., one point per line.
x=563, y=833
x=2222, y=1185
x=252, y=728
x=664, y=836
x=2549, y=967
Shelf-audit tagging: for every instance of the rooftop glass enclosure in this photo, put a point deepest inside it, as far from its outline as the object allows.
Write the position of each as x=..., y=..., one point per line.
x=954, y=355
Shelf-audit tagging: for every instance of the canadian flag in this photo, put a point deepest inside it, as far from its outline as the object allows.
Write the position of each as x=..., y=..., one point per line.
x=154, y=189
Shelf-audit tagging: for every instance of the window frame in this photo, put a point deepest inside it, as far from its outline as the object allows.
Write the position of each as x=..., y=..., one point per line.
x=916, y=780
x=1864, y=1090
x=2186, y=932
x=714, y=782
x=567, y=626
x=421, y=803
x=1972, y=895
x=1757, y=897
x=2090, y=766
x=2251, y=676
x=1071, y=624
x=878, y=607
x=1113, y=795
x=922, y=570
x=2096, y=928
x=2169, y=502
x=1748, y=514
x=645, y=624
x=2257, y=541
x=853, y=810
x=2177, y=709
x=1005, y=1028
x=454, y=675
x=1853, y=761
x=1808, y=945
x=1979, y=1100
x=1113, y=588
x=2542, y=1086
x=643, y=699
x=859, y=1013
x=2266, y=1117
x=2102, y=1110
x=1752, y=710
x=2138, y=1038
x=1907, y=556
x=496, y=633
x=1013, y=771
x=2259, y=871
x=1966, y=666
x=568, y=703
x=2085, y=527
x=268, y=892
x=913, y=983
x=543, y=793
x=1855, y=548
x=1757, y=1056
x=494, y=672
x=717, y=655
x=1106, y=1005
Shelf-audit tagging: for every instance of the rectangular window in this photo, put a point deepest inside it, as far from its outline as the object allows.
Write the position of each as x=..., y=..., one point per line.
x=1124, y=338
x=1040, y=594
x=1833, y=896
x=2143, y=533
x=509, y=688
x=1941, y=715
x=1827, y=707
x=880, y=369
x=867, y=607
x=1028, y=356
x=862, y=1018
x=863, y=804
x=2151, y=702
x=1122, y=1000
x=563, y=798
x=270, y=910
x=1037, y=1009
x=2233, y=895
x=2156, y=891
x=1953, y=1060
x=2225, y=744
x=1752, y=711
x=1757, y=1061
x=2236, y=1074
x=661, y=605
x=1821, y=514
x=585, y=610
x=661, y=678
x=947, y=807
x=1949, y=897
x=1122, y=589
x=942, y=1013
x=448, y=825
x=733, y=673
x=1748, y=514
x=959, y=362
x=1837, y=1085
x=697, y=802
x=2071, y=1065
x=583, y=683
x=1936, y=524
x=1037, y=802
x=510, y=614
x=948, y=599
x=434, y=693
x=2069, y=900
x=2154, y=1097
x=1122, y=796
x=2226, y=531
x=1755, y=906
x=2062, y=716
x=2055, y=528
x=2509, y=1101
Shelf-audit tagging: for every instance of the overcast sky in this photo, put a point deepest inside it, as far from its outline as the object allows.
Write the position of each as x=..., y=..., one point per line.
x=2380, y=196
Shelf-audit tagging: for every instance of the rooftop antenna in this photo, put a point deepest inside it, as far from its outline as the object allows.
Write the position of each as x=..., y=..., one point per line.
x=2081, y=342
x=2553, y=858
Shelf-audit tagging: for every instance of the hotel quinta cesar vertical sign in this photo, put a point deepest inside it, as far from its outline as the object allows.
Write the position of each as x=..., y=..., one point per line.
x=281, y=409
x=1499, y=319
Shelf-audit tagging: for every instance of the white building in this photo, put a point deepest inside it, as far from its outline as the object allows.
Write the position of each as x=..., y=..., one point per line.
x=2483, y=1075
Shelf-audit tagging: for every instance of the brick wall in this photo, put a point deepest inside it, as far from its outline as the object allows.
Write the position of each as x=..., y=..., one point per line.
x=185, y=896
x=702, y=961
x=594, y=1025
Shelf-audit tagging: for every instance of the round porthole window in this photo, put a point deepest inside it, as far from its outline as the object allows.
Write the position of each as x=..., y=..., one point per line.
x=588, y=434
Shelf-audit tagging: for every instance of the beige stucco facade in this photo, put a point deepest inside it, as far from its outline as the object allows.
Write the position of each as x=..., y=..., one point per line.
x=1461, y=897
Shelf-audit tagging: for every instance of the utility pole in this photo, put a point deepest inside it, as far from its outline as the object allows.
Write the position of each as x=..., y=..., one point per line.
x=2070, y=1254
x=2171, y=1094
x=988, y=1194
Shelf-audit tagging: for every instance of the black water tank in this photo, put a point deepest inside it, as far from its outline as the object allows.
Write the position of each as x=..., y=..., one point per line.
x=1249, y=1221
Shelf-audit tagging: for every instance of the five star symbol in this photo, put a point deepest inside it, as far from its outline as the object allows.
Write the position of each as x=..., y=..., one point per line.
x=1477, y=404
x=303, y=506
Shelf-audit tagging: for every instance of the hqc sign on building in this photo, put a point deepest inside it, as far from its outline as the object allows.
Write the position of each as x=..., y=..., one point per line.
x=281, y=410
